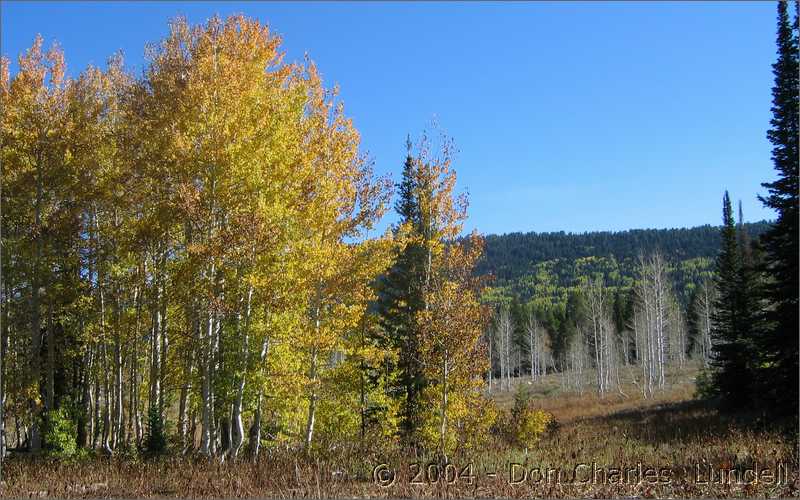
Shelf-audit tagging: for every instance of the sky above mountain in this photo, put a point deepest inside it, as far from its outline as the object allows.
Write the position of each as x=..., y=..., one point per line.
x=567, y=116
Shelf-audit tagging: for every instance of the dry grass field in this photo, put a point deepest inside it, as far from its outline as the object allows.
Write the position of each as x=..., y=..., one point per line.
x=670, y=446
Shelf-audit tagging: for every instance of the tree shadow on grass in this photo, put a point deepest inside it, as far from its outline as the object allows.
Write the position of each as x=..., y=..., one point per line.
x=682, y=422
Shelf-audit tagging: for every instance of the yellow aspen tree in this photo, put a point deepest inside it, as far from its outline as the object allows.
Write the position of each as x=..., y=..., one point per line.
x=99, y=117
x=36, y=179
x=451, y=329
x=341, y=203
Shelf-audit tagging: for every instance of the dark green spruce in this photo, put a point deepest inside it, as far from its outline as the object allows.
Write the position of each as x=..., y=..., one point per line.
x=733, y=354
x=400, y=297
x=779, y=344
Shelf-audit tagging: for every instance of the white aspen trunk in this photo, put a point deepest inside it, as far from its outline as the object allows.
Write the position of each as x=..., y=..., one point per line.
x=312, y=401
x=118, y=391
x=706, y=341
x=504, y=328
x=312, y=376
x=255, y=429
x=164, y=350
x=206, y=445
x=86, y=423
x=533, y=350
x=107, y=396
x=183, y=424
x=118, y=410
x=508, y=329
x=96, y=403
x=155, y=348
x=35, y=443
x=3, y=337
x=106, y=411
x=214, y=359
x=51, y=360
x=236, y=414
x=443, y=427
x=660, y=312
x=489, y=377
x=594, y=293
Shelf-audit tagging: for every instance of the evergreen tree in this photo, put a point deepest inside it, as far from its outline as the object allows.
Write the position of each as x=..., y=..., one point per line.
x=779, y=347
x=400, y=298
x=693, y=333
x=519, y=341
x=155, y=442
x=732, y=377
x=622, y=311
x=567, y=332
x=749, y=291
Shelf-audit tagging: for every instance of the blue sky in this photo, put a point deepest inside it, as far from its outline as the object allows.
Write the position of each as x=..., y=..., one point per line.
x=567, y=116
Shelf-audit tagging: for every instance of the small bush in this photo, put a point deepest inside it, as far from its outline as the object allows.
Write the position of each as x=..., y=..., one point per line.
x=704, y=385
x=528, y=424
x=531, y=425
x=60, y=433
x=522, y=399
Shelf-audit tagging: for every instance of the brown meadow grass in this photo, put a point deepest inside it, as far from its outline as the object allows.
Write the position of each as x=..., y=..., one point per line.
x=671, y=431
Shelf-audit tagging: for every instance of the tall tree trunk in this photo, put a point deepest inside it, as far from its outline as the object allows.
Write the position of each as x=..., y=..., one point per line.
x=312, y=400
x=155, y=348
x=118, y=413
x=443, y=419
x=312, y=376
x=183, y=427
x=489, y=375
x=50, y=401
x=107, y=400
x=164, y=348
x=225, y=434
x=236, y=413
x=255, y=429
x=35, y=443
x=3, y=337
x=206, y=445
x=85, y=420
x=96, y=407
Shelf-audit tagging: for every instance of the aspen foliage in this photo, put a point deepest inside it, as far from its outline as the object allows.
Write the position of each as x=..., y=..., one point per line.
x=191, y=250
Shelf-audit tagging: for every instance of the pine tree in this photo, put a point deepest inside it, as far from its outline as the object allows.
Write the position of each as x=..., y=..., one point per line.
x=693, y=320
x=400, y=299
x=731, y=377
x=432, y=218
x=749, y=291
x=155, y=442
x=519, y=317
x=779, y=347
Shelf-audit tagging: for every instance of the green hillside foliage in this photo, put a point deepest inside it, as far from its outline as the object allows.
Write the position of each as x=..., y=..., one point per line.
x=544, y=268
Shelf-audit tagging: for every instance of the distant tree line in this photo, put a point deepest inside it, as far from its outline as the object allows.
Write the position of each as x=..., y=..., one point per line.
x=547, y=265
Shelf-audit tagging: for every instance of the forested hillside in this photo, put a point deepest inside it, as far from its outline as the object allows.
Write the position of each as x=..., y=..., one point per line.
x=544, y=266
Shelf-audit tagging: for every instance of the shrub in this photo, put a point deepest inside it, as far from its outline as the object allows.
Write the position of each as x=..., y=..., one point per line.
x=528, y=424
x=522, y=400
x=475, y=424
x=531, y=425
x=704, y=385
x=60, y=433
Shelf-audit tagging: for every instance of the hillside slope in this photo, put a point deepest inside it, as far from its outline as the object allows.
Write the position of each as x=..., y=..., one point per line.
x=546, y=265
